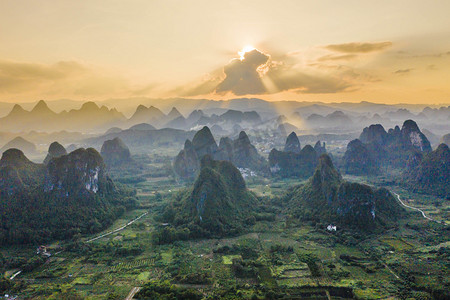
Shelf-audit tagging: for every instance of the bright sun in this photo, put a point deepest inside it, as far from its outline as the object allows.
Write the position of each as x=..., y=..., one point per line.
x=244, y=50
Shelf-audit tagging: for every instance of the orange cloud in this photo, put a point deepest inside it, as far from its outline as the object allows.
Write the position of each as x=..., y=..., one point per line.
x=359, y=47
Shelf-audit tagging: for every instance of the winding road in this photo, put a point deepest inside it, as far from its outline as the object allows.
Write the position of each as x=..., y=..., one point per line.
x=414, y=208
x=118, y=229
x=132, y=293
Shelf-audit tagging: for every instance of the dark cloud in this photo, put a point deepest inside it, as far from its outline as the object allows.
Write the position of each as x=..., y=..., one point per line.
x=359, y=47
x=257, y=74
x=242, y=76
x=403, y=71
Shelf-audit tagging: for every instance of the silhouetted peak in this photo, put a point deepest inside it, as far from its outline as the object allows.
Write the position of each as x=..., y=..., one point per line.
x=89, y=106
x=174, y=113
x=142, y=126
x=374, y=133
x=243, y=135
x=320, y=148
x=224, y=142
x=141, y=108
x=202, y=134
x=204, y=142
x=41, y=106
x=325, y=172
x=292, y=143
x=410, y=126
x=188, y=144
x=57, y=149
x=13, y=157
x=17, y=109
x=412, y=133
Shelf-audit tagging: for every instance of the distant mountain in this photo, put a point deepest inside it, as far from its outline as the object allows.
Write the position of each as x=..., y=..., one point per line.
x=320, y=148
x=140, y=141
x=243, y=154
x=71, y=194
x=430, y=172
x=294, y=161
x=55, y=150
x=433, y=138
x=88, y=118
x=380, y=148
x=187, y=162
x=248, y=113
x=291, y=164
x=335, y=119
x=173, y=114
x=115, y=152
x=142, y=126
x=178, y=123
x=21, y=144
x=446, y=139
x=328, y=199
x=150, y=115
x=400, y=114
x=216, y=206
x=359, y=159
x=292, y=143
x=239, y=151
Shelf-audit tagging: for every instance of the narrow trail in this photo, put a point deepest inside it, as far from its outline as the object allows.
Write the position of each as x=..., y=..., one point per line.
x=15, y=274
x=132, y=293
x=414, y=208
x=118, y=229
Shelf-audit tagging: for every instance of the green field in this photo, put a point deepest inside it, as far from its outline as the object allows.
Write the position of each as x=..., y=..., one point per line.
x=409, y=261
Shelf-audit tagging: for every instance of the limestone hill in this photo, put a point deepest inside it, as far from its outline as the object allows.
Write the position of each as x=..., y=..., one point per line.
x=327, y=198
x=378, y=148
x=430, y=173
x=71, y=194
x=216, y=205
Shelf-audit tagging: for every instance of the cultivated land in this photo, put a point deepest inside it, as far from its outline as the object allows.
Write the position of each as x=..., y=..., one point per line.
x=275, y=253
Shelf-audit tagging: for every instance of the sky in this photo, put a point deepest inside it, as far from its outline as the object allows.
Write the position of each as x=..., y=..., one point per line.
x=386, y=51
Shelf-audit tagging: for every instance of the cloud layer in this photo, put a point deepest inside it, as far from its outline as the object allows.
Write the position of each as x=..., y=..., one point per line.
x=242, y=76
x=62, y=79
x=257, y=73
x=359, y=47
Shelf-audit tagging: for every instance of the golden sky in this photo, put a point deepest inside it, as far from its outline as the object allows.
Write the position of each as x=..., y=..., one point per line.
x=387, y=51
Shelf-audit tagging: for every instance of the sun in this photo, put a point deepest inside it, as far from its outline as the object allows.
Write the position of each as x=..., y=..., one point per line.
x=244, y=50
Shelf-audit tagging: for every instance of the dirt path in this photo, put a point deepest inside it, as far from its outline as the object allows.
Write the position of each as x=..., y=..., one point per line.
x=15, y=274
x=132, y=293
x=414, y=208
x=117, y=230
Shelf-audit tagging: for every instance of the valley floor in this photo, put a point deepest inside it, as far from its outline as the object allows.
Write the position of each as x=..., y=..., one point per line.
x=303, y=260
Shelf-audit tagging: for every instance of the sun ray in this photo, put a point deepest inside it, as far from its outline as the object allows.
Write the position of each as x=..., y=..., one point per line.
x=244, y=50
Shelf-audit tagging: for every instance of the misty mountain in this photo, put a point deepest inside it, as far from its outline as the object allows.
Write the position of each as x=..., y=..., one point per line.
x=140, y=141
x=21, y=144
x=376, y=148
x=90, y=117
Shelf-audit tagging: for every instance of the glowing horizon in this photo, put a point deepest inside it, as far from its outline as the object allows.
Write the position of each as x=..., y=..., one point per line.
x=383, y=52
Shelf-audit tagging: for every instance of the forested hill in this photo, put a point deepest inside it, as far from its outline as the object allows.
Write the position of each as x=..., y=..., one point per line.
x=71, y=194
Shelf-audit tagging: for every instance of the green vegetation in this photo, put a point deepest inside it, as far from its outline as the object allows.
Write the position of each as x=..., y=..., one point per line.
x=217, y=205
x=271, y=245
x=326, y=198
x=429, y=173
x=69, y=196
